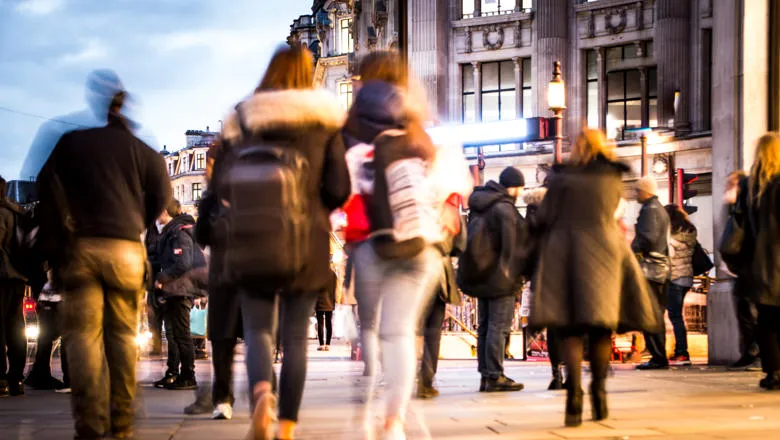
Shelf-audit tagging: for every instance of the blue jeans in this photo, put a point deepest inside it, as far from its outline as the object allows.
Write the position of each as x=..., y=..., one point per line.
x=675, y=307
x=495, y=323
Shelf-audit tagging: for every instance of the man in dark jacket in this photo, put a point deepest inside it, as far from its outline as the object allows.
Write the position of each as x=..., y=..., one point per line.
x=107, y=186
x=11, y=298
x=154, y=310
x=178, y=256
x=652, y=232
x=496, y=289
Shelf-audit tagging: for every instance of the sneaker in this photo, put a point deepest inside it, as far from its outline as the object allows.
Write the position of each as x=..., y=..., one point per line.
x=166, y=381
x=680, y=361
x=183, y=384
x=652, y=366
x=321, y=348
x=15, y=388
x=44, y=383
x=743, y=363
x=66, y=390
x=502, y=384
x=4, y=389
x=223, y=411
x=427, y=392
x=326, y=348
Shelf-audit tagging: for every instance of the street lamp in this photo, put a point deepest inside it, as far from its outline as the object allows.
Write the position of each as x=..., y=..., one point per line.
x=556, y=101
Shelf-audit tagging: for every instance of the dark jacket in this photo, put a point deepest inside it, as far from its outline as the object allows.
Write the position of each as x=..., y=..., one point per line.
x=507, y=228
x=8, y=214
x=587, y=275
x=181, y=260
x=115, y=185
x=652, y=229
x=326, y=302
x=309, y=121
x=449, y=248
x=766, y=259
x=379, y=116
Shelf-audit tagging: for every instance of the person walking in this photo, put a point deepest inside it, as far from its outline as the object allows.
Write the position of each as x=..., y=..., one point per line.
x=326, y=304
x=295, y=131
x=179, y=257
x=760, y=193
x=682, y=245
x=99, y=190
x=153, y=307
x=12, y=286
x=492, y=273
x=651, y=245
x=587, y=283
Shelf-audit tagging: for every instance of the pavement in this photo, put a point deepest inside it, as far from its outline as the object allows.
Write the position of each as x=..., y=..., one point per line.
x=691, y=403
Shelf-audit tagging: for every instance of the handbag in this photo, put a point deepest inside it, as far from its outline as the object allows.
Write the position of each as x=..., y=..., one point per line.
x=732, y=244
x=701, y=261
x=655, y=267
x=198, y=320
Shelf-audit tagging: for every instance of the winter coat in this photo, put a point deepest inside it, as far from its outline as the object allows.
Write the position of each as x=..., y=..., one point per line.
x=682, y=244
x=507, y=233
x=452, y=247
x=326, y=302
x=310, y=122
x=766, y=260
x=587, y=276
x=378, y=107
x=652, y=229
x=8, y=213
x=182, y=262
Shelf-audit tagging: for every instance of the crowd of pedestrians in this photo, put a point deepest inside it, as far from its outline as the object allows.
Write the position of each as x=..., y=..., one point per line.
x=108, y=232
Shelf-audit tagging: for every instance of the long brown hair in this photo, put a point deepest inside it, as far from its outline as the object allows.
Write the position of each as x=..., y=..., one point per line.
x=290, y=68
x=590, y=144
x=766, y=166
x=384, y=66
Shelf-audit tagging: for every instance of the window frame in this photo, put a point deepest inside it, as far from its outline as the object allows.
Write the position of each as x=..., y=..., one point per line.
x=200, y=161
x=499, y=92
x=197, y=188
x=345, y=24
x=346, y=93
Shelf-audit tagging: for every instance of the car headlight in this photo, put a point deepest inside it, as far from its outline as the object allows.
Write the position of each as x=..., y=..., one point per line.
x=31, y=331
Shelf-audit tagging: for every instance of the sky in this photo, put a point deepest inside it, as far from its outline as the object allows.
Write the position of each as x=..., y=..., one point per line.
x=186, y=62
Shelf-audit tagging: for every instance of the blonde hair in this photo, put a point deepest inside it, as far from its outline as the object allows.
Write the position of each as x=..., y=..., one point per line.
x=290, y=68
x=766, y=164
x=590, y=144
x=384, y=66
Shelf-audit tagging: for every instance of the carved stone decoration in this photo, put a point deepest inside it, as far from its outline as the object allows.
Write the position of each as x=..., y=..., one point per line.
x=468, y=40
x=640, y=15
x=518, y=33
x=616, y=21
x=591, y=25
x=488, y=32
x=640, y=49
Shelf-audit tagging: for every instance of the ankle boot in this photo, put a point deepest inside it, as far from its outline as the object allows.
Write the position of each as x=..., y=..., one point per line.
x=557, y=380
x=598, y=399
x=574, y=407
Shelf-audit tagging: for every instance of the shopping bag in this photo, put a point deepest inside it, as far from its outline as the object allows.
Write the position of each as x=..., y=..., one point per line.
x=198, y=321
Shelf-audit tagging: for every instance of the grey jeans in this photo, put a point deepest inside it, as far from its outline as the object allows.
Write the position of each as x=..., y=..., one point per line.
x=391, y=295
x=103, y=286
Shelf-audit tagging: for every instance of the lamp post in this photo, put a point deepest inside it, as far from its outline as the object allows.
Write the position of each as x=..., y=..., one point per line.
x=556, y=101
x=643, y=143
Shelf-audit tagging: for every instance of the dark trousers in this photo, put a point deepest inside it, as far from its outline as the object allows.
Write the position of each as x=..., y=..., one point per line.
x=259, y=313
x=49, y=326
x=177, y=330
x=769, y=338
x=555, y=348
x=675, y=308
x=599, y=351
x=432, y=326
x=103, y=286
x=13, y=341
x=656, y=342
x=324, y=327
x=747, y=319
x=222, y=355
x=495, y=323
x=155, y=320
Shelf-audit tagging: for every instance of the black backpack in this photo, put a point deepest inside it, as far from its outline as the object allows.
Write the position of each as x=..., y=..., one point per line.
x=23, y=254
x=263, y=218
x=478, y=262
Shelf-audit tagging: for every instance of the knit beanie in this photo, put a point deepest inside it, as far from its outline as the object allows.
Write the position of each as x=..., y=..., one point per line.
x=511, y=177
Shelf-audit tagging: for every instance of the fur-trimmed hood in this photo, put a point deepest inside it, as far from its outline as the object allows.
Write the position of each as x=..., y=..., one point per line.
x=534, y=196
x=275, y=110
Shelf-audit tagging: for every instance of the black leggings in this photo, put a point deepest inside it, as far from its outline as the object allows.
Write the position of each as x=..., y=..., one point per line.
x=600, y=353
x=324, y=325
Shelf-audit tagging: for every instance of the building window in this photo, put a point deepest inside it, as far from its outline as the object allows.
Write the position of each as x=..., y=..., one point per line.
x=499, y=92
x=592, y=78
x=624, y=102
x=345, y=94
x=469, y=101
x=652, y=97
x=197, y=191
x=346, y=43
x=527, y=97
x=706, y=83
x=200, y=161
x=176, y=194
x=171, y=168
x=184, y=163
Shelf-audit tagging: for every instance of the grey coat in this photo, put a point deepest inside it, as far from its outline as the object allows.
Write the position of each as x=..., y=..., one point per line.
x=587, y=276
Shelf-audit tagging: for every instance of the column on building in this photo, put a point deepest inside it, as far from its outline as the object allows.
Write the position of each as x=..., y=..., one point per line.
x=551, y=44
x=672, y=53
x=477, y=91
x=518, y=62
x=601, y=61
x=428, y=50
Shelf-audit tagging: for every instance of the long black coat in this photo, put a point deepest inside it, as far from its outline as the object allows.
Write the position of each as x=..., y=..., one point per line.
x=587, y=275
x=310, y=122
x=766, y=229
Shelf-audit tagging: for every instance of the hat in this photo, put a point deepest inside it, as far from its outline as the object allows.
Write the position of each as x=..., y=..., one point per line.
x=511, y=177
x=648, y=185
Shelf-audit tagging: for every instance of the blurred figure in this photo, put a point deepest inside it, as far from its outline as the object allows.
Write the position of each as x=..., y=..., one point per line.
x=101, y=87
x=745, y=304
x=651, y=245
x=179, y=257
x=290, y=125
x=682, y=242
x=99, y=190
x=760, y=193
x=326, y=304
x=492, y=273
x=12, y=286
x=601, y=288
x=50, y=330
x=153, y=307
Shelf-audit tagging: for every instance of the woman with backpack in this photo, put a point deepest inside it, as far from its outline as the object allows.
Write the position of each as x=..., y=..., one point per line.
x=279, y=174
x=683, y=243
x=587, y=283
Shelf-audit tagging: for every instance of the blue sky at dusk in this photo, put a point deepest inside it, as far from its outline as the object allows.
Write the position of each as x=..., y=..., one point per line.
x=185, y=61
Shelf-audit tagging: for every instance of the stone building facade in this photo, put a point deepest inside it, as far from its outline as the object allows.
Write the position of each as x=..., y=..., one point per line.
x=187, y=168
